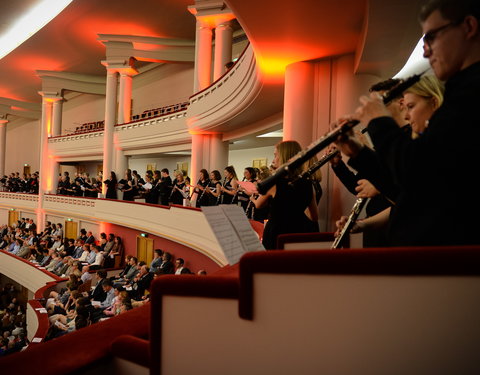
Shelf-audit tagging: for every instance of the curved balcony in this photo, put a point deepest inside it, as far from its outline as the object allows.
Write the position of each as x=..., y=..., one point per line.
x=36, y=280
x=183, y=225
x=161, y=131
x=239, y=98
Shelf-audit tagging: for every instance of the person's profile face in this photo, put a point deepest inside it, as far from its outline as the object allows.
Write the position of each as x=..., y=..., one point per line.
x=440, y=35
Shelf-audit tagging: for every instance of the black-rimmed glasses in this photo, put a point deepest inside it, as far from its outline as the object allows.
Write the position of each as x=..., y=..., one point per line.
x=430, y=36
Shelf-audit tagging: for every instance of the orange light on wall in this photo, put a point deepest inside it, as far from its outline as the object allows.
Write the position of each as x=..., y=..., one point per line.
x=214, y=20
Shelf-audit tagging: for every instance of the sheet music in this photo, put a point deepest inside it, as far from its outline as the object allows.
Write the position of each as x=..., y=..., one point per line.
x=147, y=186
x=250, y=187
x=37, y=339
x=232, y=230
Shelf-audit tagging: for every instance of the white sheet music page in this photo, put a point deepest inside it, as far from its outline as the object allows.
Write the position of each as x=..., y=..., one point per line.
x=242, y=226
x=232, y=230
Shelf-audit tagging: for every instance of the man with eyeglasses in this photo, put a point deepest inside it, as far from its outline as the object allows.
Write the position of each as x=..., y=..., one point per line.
x=438, y=203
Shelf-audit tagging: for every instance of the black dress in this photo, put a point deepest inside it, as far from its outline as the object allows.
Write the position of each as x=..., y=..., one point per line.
x=177, y=196
x=111, y=189
x=212, y=200
x=287, y=211
x=227, y=198
x=128, y=192
x=202, y=196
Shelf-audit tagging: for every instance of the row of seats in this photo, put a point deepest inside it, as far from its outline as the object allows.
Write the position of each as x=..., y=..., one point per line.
x=160, y=111
x=99, y=125
x=89, y=126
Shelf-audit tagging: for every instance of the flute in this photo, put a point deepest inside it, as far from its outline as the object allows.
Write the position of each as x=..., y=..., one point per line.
x=352, y=218
x=330, y=137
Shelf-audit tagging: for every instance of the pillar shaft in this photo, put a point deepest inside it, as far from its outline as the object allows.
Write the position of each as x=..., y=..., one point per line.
x=46, y=178
x=121, y=163
x=197, y=157
x=223, y=49
x=3, y=145
x=203, y=57
x=57, y=118
x=299, y=103
x=110, y=109
x=125, y=98
x=218, y=153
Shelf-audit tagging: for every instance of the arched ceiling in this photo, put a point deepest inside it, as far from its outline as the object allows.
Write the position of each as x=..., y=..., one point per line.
x=382, y=33
x=69, y=42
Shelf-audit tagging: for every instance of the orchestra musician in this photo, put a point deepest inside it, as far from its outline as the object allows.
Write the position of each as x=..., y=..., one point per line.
x=179, y=190
x=289, y=201
x=434, y=208
x=229, y=187
x=213, y=189
x=199, y=190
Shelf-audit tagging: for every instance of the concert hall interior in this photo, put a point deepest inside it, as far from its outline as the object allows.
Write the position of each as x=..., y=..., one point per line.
x=186, y=85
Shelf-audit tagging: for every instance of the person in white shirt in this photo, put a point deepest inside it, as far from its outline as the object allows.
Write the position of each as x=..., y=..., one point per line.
x=179, y=263
x=98, y=263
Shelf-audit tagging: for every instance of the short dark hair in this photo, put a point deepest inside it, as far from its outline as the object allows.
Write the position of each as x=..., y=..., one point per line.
x=159, y=252
x=181, y=260
x=165, y=170
x=102, y=274
x=453, y=10
x=107, y=282
x=386, y=85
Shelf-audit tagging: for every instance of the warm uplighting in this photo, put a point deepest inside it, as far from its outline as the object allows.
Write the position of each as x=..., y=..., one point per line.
x=31, y=22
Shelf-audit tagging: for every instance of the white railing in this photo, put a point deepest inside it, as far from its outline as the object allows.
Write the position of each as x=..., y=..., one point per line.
x=182, y=225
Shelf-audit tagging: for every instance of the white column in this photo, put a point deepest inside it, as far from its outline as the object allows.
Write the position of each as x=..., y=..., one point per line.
x=110, y=109
x=218, y=153
x=203, y=57
x=223, y=49
x=3, y=145
x=196, y=159
x=299, y=103
x=46, y=181
x=121, y=163
x=125, y=98
x=57, y=117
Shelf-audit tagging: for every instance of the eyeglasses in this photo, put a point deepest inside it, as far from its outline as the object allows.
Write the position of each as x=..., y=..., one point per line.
x=430, y=36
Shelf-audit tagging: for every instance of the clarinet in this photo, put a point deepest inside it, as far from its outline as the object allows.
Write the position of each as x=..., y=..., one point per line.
x=352, y=218
x=203, y=192
x=220, y=196
x=318, y=164
x=330, y=137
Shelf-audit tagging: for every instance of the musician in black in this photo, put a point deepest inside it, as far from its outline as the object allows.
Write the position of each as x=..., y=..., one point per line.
x=179, y=190
x=250, y=175
x=426, y=214
x=164, y=187
x=126, y=185
x=230, y=186
x=213, y=190
x=289, y=200
x=111, y=186
x=203, y=182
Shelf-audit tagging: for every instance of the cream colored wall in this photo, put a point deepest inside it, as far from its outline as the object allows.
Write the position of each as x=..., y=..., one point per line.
x=164, y=85
x=80, y=109
x=241, y=159
x=23, y=146
x=140, y=164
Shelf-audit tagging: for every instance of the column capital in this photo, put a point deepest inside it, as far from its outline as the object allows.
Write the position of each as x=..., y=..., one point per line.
x=123, y=66
x=3, y=118
x=210, y=13
x=50, y=96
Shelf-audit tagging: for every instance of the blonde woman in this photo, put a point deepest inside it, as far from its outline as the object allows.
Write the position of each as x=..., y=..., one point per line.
x=421, y=101
x=289, y=202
